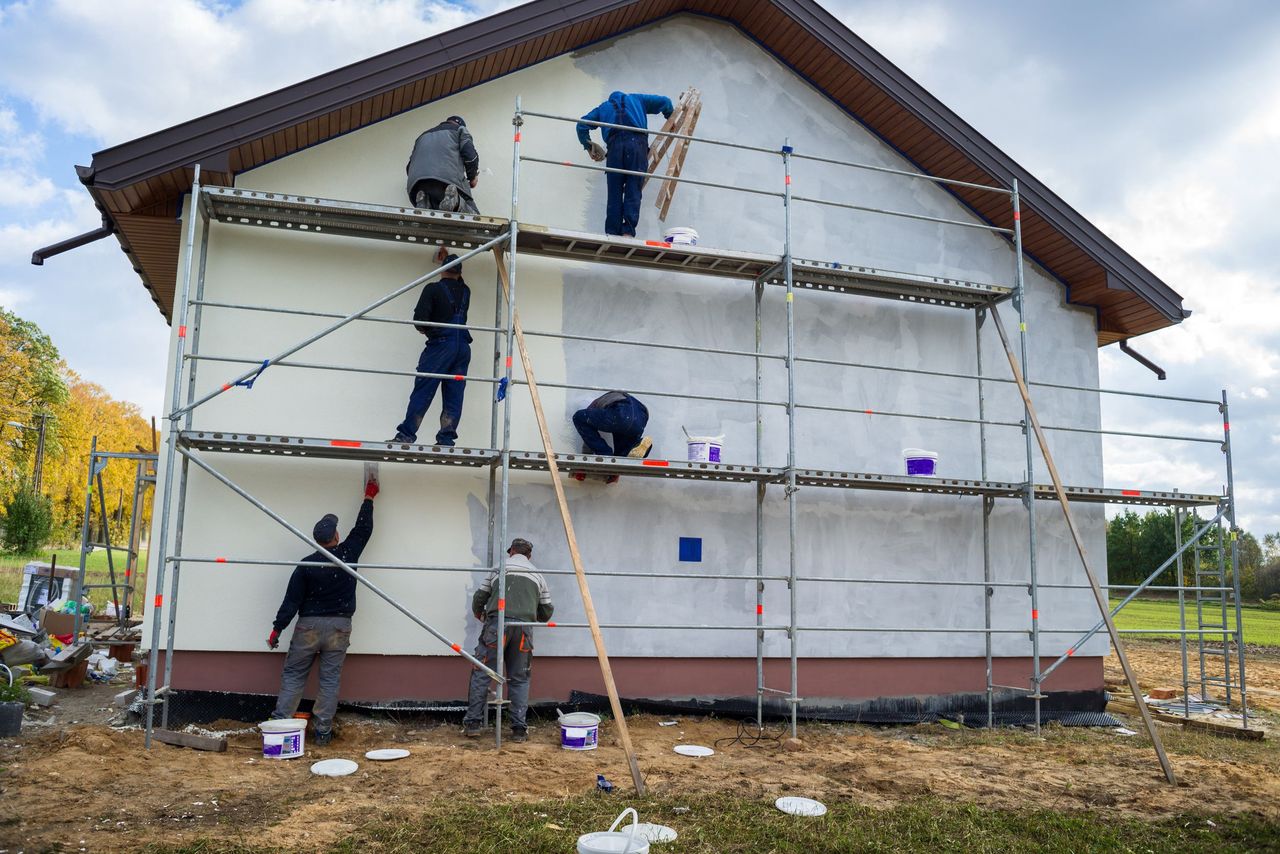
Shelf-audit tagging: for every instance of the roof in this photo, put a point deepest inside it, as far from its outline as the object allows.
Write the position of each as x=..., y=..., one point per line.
x=139, y=185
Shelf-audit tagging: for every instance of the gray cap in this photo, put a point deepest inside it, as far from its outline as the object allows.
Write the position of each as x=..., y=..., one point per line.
x=326, y=529
x=521, y=546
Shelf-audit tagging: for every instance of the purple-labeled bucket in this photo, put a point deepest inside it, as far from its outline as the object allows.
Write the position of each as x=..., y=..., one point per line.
x=579, y=731
x=283, y=739
x=920, y=463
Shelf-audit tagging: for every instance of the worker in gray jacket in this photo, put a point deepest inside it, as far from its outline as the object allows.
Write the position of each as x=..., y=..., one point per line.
x=444, y=168
x=526, y=600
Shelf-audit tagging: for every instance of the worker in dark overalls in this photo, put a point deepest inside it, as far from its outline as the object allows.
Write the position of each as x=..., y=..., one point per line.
x=627, y=149
x=448, y=351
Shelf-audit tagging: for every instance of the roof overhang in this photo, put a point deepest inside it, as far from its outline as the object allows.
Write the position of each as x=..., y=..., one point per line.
x=140, y=184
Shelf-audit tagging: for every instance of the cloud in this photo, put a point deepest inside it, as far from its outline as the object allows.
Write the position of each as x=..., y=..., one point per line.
x=140, y=66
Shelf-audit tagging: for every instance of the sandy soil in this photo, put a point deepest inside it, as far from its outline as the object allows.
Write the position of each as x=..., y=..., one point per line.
x=1159, y=664
x=92, y=787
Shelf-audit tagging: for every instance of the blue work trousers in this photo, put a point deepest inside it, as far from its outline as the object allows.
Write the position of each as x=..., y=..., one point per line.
x=625, y=419
x=449, y=353
x=627, y=150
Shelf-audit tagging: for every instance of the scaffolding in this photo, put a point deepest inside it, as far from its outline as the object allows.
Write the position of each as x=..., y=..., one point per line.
x=471, y=235
x=96, y=512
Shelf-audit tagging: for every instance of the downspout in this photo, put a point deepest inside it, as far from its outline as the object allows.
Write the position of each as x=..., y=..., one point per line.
x=1142, y=360
x=105, y=230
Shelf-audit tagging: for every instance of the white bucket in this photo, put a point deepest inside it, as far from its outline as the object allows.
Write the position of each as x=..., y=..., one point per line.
x=579, y=731
x=704, y=449
x=283, y=739
x=681, y=236
x=920, y=463
x=612, y=841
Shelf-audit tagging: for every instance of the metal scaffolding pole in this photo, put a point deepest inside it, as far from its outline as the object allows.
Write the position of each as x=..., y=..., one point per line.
x=758, y=296
x=1182, y=612
x=1033, y=590
x=794, y=699
x=1235, y=557
x=988, y=503
x=171, y=456
x=184, y=472
x=517, y=123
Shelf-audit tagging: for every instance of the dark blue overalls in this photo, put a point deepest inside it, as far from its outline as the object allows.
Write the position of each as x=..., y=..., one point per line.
x=448, y=351
x=627, y=150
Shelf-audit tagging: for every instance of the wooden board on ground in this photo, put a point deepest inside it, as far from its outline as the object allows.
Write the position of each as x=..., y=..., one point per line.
x=1126, y=705
x=190, y=739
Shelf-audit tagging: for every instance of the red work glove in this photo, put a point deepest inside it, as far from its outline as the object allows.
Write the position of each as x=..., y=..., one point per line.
x=273, y=639
x=371, y=489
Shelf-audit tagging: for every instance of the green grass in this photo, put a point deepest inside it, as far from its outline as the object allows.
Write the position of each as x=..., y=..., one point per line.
x=95, y=573
x=724, y=824
x=1261, y=625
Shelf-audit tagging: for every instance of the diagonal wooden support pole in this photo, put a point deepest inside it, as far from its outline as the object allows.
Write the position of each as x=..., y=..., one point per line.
x=605, y=670
x=1103, y=607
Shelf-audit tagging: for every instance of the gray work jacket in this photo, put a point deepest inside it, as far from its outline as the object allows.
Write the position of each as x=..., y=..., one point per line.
x=444, y=153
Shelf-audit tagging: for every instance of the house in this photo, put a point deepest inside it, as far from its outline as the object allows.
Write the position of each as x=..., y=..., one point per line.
x=771, y=74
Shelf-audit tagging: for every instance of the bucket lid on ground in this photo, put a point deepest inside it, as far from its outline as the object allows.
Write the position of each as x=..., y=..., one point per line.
x=284, y=725
x=579, y=719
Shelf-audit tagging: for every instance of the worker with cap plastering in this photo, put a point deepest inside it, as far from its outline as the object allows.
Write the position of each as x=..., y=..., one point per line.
x=526, y=600
x=622, y=416
x=447, y=351
x=323, y=597
x=443, y=168
x=627, y=149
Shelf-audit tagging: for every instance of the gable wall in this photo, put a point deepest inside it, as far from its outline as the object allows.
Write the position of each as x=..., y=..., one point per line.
x=437, y=515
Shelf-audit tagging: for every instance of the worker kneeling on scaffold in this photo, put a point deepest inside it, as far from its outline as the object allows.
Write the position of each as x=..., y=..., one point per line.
x=525, y=600
x=448, y=351
x=622, y=416
x=323, y=598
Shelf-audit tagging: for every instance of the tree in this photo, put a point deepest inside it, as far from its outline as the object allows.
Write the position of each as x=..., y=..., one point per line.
x=28, y=520
x=31, y=382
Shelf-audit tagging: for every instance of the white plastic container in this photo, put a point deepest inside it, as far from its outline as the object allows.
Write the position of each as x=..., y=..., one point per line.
x=704, y=449
x=283, y=739
x=613, y=841
x=920, y=463
x=579, y=731
x=680, y=236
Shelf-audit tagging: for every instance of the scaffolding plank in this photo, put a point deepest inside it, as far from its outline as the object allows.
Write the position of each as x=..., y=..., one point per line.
x=398, y=452
x=679, y=469
x=308, y=214
x=653, y=254
x=340, y=449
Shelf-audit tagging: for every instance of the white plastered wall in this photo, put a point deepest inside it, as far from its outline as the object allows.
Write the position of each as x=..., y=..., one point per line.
x=439, y=515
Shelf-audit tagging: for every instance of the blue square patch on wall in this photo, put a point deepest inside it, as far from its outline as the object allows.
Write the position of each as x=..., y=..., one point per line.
x=691, y=549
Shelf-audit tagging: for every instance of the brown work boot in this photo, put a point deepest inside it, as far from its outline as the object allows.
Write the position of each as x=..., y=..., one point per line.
x=641, y=450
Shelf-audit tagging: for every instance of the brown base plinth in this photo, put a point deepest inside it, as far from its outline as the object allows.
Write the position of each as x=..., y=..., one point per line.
x=399, y=677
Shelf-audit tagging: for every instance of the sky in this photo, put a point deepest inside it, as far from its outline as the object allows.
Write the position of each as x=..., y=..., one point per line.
x=1158, y=120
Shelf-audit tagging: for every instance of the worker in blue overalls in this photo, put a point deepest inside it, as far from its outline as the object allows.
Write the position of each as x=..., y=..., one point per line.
x=627, y=149
x=448, y=351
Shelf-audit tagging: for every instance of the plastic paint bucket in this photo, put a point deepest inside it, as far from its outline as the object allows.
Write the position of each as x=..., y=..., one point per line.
x=704, y=449
x=579, y=731
x=920, y=463
x=284, y=739
x=613, y=841
x=681, y=236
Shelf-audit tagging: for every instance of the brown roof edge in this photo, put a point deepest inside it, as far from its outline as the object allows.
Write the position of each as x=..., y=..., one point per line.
x=1126, y=269
x=210, y=138
x=215, y=134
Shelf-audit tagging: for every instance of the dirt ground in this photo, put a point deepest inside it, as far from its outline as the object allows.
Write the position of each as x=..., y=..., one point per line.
x=1159, y=664
x=91, y=787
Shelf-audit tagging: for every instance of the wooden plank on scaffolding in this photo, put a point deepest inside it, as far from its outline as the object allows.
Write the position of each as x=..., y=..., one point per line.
x=1101, y=599
x=606, y=671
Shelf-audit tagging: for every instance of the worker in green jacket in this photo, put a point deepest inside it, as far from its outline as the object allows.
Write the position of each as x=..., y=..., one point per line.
x=525, y=600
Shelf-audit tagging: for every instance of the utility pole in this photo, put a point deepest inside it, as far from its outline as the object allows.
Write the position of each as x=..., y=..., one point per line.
x=37, y=476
